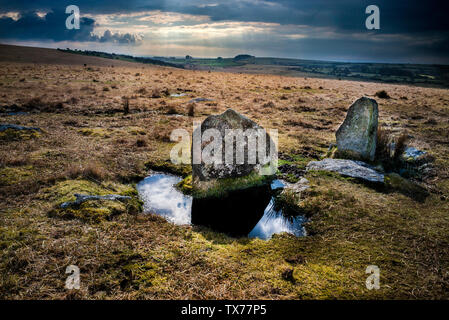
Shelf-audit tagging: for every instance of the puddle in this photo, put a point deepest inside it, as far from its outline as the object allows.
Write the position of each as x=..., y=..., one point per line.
x=161, y=197
x=177, y=95
x=274, y=222
x=200, y=100
x=248, y=212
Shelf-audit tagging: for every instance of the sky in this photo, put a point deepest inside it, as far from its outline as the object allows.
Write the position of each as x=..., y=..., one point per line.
x=410, y=31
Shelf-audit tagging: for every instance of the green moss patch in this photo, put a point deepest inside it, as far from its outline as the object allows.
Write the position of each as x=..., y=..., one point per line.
x=396, y=183
x=136, y=131
x=10, y=176
x=186, y=185
x=289, y=202
x=129, y=271
x=15, y=135
x=13, y=238
x=96, y=132
x=142, y=274
x=168, y=167
x=347, y=154
x=92, y=210
x=221, y=187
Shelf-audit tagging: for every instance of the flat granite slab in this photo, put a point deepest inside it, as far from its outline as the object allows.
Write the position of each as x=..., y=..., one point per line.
x=350, y=168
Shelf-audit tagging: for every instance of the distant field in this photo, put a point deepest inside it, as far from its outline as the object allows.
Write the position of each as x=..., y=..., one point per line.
x=433, y=75
x=416, y=74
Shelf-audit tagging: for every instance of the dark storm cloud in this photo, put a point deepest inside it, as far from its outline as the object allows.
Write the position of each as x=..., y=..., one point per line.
x=397, y=16
x=110, y=6
x=423, y=24
x=30, y=26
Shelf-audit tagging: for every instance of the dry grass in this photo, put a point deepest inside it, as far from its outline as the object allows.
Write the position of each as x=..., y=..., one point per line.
x=90, y=171
x=171, y=110
x=143, y=256
x=383, y=144
x=401, y=145
x=125, y=105
x=191, y=109
x=141, y=143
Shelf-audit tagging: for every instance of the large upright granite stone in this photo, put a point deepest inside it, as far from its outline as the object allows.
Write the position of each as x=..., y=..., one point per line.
x=357, y=136
x=230, y=119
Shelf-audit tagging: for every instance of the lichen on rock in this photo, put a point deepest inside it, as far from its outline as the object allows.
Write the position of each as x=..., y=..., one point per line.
x=416, y=163
x=357, y=136
x=227, y=124
x=217, y=179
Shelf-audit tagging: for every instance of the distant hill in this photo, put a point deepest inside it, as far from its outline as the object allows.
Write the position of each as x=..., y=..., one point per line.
x=121, y=57
x=244, y=59
x=417, y=74
x=21, y=54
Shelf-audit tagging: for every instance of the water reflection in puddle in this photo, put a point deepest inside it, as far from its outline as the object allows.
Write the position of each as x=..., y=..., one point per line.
x=161, y=197
x=177, y=95
x=273, y=222
x=244, y=213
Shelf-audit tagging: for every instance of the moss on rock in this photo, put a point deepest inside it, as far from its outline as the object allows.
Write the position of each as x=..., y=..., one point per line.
x=222, y=187
x=186, y=185
x=91, y=210
x=168, y=167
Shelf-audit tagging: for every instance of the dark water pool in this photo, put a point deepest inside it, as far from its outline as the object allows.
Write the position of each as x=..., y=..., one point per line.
x=249, y=212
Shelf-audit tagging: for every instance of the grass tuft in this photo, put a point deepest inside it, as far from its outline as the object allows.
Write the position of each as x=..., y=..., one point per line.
x=382, y=94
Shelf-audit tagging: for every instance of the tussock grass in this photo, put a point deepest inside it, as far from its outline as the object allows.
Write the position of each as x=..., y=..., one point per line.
x=90, y=170
x=382, y=94
x=191, y=109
